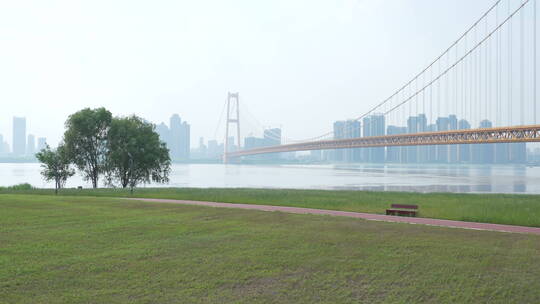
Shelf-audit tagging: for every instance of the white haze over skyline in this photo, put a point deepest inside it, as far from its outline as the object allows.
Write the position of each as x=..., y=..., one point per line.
x=297, y=64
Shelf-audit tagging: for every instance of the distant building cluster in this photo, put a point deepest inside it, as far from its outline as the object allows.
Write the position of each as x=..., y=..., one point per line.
x=22, y=144
x=214, y=150
x=271, y=137
x=176, y=136
x=375, y=125
x=533, y=155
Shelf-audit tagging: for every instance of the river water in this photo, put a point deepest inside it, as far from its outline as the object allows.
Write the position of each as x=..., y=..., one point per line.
x=420, y=178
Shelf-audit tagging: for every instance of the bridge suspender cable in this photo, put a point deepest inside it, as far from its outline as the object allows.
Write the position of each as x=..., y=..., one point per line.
x=429, y=66
x=510, y=71
x=434, y=61
x=535, y=67
x=477, y=86
x=522, y=68
x=463, y=57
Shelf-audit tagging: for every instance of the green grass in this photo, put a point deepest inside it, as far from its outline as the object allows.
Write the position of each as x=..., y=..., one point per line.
x=103, y=250
x=488, y=208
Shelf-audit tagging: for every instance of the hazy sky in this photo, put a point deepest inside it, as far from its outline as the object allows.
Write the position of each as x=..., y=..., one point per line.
x=301, y=64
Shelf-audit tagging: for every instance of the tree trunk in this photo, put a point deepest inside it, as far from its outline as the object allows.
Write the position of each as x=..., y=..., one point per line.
x=95, y=177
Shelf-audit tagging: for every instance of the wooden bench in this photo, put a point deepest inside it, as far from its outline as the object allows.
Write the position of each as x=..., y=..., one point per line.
x=404, y=210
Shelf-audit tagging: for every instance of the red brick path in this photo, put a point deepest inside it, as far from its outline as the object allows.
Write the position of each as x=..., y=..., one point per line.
x=366, y=216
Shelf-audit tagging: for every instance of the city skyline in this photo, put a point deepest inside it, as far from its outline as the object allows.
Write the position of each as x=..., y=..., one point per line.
x=374, y=125
x=177, y=136
x=498, y=73
x=189, y=64
x=23, y=143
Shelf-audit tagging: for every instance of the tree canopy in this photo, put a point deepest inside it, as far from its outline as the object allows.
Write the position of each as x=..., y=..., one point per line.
x=86, y=141
x=135, y=153
x=127, y=150
x=55, y=165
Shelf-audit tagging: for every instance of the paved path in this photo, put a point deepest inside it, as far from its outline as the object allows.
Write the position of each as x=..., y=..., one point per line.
x=366, y=216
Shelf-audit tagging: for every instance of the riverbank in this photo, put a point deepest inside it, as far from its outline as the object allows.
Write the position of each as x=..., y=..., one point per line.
x=507, y=209
x=366, y=177
x=96, y=249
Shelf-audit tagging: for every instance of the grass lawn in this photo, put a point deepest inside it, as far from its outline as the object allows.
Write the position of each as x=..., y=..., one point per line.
x=104, y=250
x=507, y=209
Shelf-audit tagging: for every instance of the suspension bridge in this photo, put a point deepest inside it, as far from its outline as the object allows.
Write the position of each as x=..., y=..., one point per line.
x=480, y=90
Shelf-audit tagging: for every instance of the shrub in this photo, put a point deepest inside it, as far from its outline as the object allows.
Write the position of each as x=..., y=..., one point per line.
x=23, y=186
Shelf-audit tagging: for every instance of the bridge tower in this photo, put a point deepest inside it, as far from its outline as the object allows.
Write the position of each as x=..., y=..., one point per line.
x=233, y=117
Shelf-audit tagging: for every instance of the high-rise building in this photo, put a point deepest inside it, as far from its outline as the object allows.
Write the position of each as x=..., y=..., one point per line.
x=339, y=133
x=374, y=125
x=31, y=145
x=412, y=151
x=19, y=136
x=423, y=151
x=176, y=137
x=396, y=154
x=6, y=148
x=533, y=155
x=272, y=137
x=452, y=149
x=252, y=142
x=185, y=142
x=431, y=150
x=484, y=153
x=502, y=153
x=443, y=124
x=200, y=152
x=464, y=151
x=343, y=130
x=316, y=155
x=215, y=150
x=2, y=145
x=41, y=143
x=232, y=147
x=417, y=124
x=327, y=155
x=163, y=131
x=518, y=153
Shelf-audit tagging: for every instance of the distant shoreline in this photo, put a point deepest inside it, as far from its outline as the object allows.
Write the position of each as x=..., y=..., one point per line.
x=18, y=161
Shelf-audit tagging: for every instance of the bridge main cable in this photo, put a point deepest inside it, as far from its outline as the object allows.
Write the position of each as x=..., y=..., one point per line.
x=461, y=59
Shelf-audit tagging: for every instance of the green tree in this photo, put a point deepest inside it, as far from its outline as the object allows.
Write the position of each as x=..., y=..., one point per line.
x=55, y=166
x=86, y=141
x=135, y=153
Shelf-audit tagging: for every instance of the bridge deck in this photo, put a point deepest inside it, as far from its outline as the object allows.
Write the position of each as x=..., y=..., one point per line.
x=529, y=133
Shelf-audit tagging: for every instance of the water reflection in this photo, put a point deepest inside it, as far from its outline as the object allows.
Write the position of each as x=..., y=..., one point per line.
x=419, y=177
x=520, y=187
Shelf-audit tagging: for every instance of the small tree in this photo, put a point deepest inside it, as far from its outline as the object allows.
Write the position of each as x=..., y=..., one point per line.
x=135, y=153
x=55, y=166
x=86, y=141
